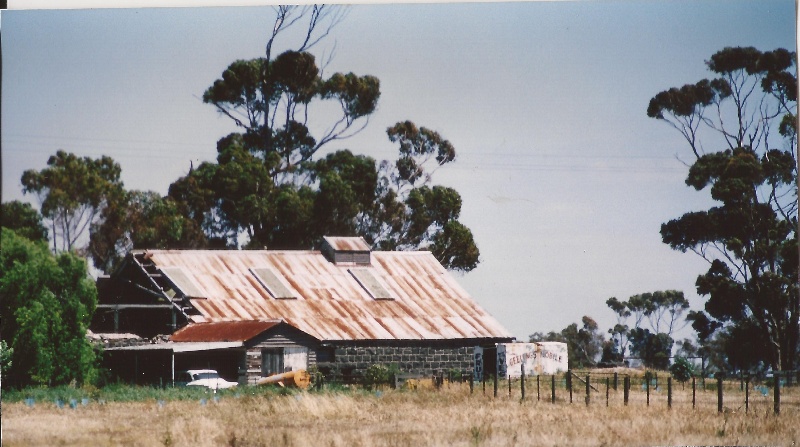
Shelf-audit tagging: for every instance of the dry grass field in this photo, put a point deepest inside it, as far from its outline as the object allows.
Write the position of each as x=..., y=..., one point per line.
x=450, y=416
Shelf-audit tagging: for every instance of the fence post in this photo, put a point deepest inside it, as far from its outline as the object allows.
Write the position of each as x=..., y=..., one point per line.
x=522, y=383
x=495, y=384
x=509, y=385
x=538, y=394
x=747, y=395
x=588, y=398
x=626, y=386
x=647, y=387
x=569, y=384
x=607, y=384
x=694, y=391
x=471, y=383
x=483, y=379
x=741, y=380
x=669, y=392
x=777, y=403
x=719, y=393
x=615, y=381
x=553, y=387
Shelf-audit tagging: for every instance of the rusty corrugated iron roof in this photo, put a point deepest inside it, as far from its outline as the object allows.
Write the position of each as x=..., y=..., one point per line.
x=339, y=243
x=222, y=331
x=329, y=302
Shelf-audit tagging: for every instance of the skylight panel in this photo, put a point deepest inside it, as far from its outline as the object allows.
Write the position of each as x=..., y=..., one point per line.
x=273, y=283
x=183, y=282
x=370, y=283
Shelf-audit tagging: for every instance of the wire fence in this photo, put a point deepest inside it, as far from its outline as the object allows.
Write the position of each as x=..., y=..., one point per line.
x=745, y=393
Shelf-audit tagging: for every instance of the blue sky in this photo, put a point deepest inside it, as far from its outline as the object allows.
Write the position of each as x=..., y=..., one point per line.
x=564, y=179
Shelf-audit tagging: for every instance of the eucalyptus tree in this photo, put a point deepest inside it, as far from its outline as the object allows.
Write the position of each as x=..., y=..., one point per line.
x=269, y=188
x=661, y=310
x=73, y=191
x=741, y=129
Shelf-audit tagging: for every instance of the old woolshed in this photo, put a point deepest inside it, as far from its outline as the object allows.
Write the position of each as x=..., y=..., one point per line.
x=259, y=312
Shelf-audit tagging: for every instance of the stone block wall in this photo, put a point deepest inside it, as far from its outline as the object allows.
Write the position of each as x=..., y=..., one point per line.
x=425, y=361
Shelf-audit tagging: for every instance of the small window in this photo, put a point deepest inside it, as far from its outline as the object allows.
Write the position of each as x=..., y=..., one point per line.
x=182, y=281
x=271, y=361
x=273, y=283
x=370, y=283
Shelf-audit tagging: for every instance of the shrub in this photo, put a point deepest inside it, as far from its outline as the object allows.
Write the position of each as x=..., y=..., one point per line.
x=379, y=375
x=681, y=369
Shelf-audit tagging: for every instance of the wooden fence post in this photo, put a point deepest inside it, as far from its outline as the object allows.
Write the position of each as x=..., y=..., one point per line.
x=669, y=392
x=538, y=394
x=777, y=398
x=553, y=387
x=588, y=398
x=719, y=393
x=522, y=383
x=647, y=387
x=626, y=386
x=615, y=381
x=607, y=384
x=495, y=384
x=569, y=384
x=747, y=395
x=509, y=385
x=471, y=383
x=694, y=391
x=483, y=379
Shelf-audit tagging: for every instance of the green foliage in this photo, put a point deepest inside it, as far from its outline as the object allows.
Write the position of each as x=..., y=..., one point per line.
x=73, y=192
x=584, y=344
x=267, y=186
x=750, y=238
x=681, y=369
x=378, y=374
x=141, y=220
x=653, y=349
x=23, y=219
x=660, y=309
x=47, y=304
x=6, y=352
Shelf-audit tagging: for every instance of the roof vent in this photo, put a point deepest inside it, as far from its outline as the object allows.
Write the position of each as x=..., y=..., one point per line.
x=346, y=250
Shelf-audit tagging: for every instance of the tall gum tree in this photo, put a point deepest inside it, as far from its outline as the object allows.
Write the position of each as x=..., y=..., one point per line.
x=73, y=192
x=268, y=188
x=741, y=129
